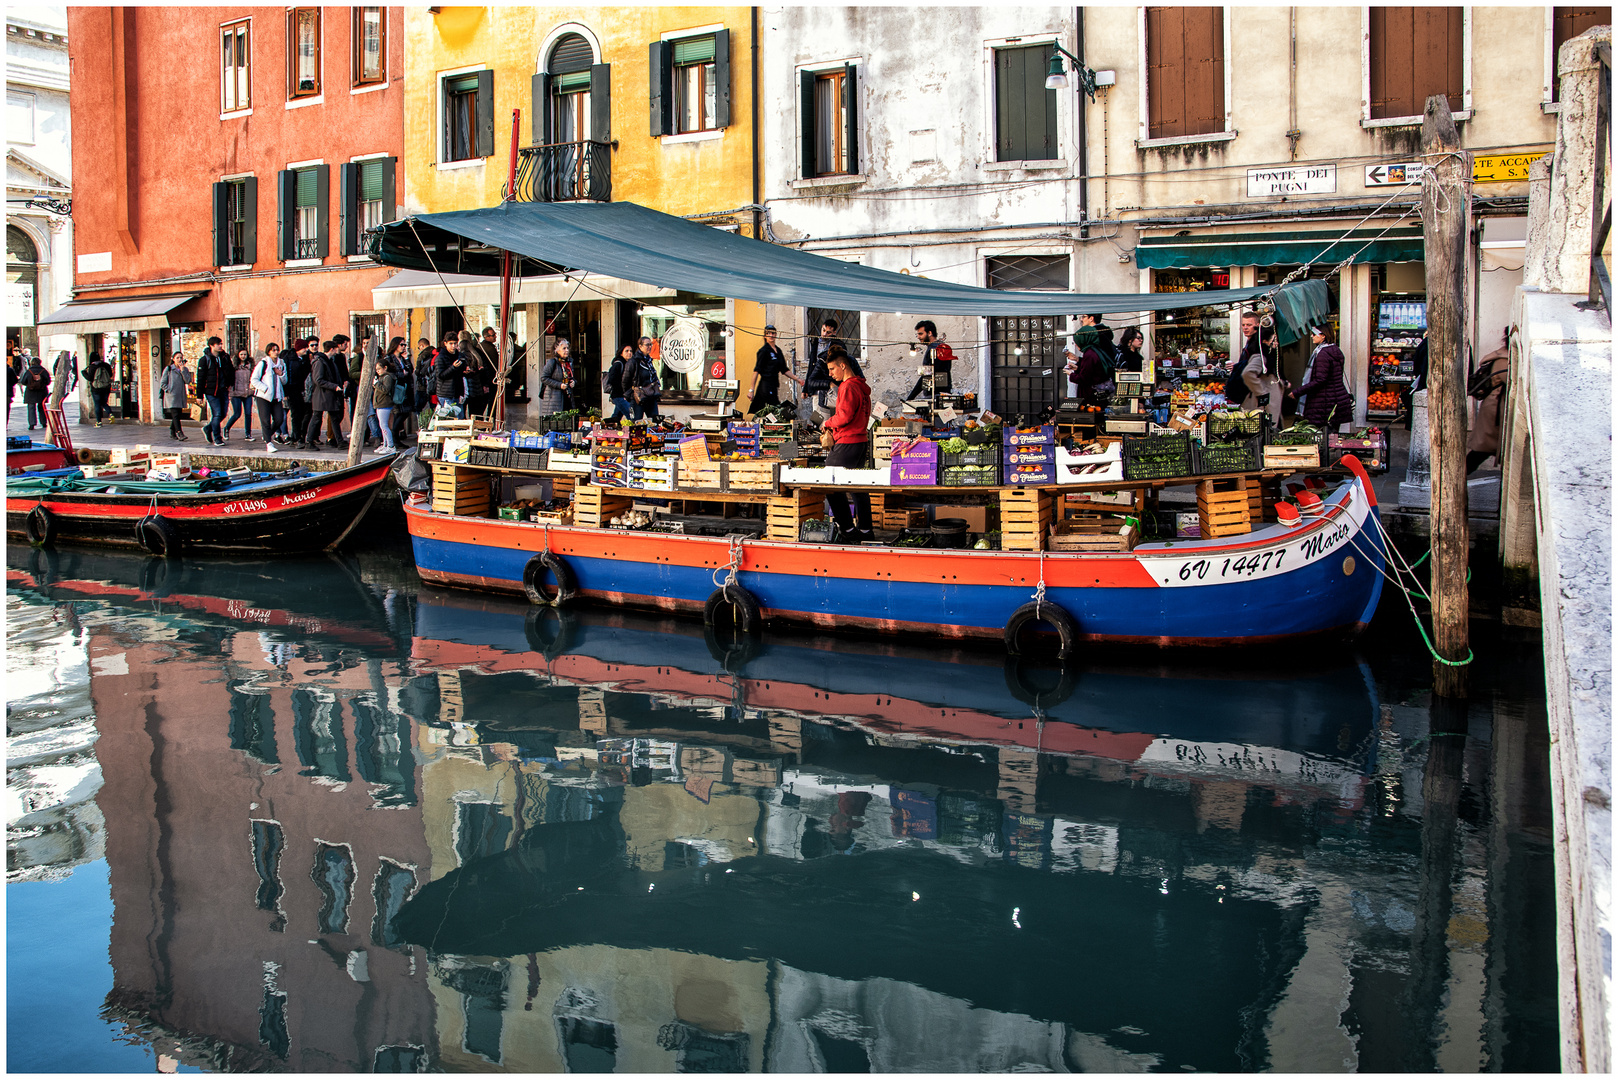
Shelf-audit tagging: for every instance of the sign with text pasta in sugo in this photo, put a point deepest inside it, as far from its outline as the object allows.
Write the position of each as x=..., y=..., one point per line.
x=684, y=346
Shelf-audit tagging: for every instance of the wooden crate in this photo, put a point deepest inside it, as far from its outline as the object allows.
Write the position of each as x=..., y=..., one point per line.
x=562, y=487
x=1262, y=496
x=1292, y=457
x=1093, y=536
x=784, y=514
x=763, y=477
x=1222, y=507
x=1025, y=518
x=461, y=491
x=708, y=477
x=593, y=507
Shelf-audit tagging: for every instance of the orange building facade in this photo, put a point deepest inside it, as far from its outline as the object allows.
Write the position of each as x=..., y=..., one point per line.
x=234, y=156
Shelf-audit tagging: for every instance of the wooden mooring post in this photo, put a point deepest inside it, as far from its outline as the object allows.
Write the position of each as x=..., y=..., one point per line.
x=1446, y=215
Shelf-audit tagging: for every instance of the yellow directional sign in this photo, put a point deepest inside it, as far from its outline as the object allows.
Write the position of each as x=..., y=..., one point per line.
x=1503, y=168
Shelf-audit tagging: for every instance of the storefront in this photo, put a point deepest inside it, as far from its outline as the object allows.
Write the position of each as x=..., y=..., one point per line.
x=136, y=335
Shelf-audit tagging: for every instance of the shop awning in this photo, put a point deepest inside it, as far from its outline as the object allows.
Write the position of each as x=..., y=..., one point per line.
x=1278, y=248
x=631, y=242
x=423, y=288
x=114, y=316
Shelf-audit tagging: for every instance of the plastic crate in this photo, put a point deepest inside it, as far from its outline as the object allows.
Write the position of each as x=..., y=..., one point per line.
x=1230, y=426
x=483, y=455
x=525, y=459
x=1229, y=457
x=969, y=476
x=977, y=455
x=1157, y=457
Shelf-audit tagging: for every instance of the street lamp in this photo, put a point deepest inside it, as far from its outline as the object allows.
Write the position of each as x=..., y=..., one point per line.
x=1056, y=76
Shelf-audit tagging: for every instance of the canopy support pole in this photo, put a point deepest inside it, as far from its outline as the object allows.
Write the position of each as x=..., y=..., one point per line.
x=504, y=351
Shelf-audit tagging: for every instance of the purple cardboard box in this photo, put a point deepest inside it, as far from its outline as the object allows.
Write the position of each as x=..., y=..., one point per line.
x=1041, y=474
x=909, y=472
x=1031, y=455
x=1045, y=436
x=917, y=453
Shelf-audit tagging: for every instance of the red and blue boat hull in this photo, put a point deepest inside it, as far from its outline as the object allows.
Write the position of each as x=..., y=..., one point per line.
x=1322, y=576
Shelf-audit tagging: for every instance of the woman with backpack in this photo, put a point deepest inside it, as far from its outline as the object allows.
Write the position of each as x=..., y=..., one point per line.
x=269, y=384
x=241, y=397
x=98, y=373
x=36, y=387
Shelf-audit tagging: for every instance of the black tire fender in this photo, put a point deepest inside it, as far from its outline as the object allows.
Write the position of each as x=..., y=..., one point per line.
x=154, y=576
x=157, y=536
x=744, y=608
x=547, y=640
x=40, y=525
x=1035, y=693
x=567, y=583
x=1051, y=615
x=734, y=655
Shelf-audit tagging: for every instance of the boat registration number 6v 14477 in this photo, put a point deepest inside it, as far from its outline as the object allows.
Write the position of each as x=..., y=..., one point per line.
x=1272, y=560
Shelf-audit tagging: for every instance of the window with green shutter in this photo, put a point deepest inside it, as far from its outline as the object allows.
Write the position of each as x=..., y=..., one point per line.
x=373, y=192
x=695, y=87
x=1025, y=112
x=308, y=213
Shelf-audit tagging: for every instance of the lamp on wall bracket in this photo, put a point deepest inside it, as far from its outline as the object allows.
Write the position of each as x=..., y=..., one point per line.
x=1056, y=78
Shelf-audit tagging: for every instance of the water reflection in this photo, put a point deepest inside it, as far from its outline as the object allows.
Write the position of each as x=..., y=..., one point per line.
x=359, y=828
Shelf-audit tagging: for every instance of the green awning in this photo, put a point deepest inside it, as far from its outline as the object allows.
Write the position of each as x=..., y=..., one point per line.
x=623, y=240
x=1279, y=248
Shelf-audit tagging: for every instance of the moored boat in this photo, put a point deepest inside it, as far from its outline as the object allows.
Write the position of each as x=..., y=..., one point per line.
x=24, y=453
x=288, y=513
x=1322, y=575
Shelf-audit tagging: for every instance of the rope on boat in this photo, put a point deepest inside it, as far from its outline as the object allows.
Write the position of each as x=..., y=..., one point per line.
x=1415, y=585
x=1039, y=591
x=733, y=566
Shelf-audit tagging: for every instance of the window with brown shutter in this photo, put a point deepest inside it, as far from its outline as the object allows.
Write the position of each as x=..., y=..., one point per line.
x=1568, y=23
x=1416, y=52
x=1185, y=71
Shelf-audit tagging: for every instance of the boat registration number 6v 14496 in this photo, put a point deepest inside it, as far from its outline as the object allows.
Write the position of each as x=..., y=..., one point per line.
x=245, y=506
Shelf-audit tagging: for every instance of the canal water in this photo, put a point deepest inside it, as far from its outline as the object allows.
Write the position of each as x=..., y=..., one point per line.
x=311, y=815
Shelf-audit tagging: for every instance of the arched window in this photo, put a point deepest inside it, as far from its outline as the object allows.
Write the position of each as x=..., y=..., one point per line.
x=22, y=269
x=569, y=68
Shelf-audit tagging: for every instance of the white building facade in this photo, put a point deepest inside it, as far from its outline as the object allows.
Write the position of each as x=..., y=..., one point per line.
x=39, y=234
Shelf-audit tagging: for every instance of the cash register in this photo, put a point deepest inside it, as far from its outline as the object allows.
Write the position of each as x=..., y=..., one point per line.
x=720, y=394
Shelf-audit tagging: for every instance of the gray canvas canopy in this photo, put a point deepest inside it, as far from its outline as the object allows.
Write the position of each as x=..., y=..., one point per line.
x=624, y=240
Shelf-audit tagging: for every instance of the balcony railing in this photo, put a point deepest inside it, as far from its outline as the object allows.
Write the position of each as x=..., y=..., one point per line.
x=564, y=172
x=306, y=248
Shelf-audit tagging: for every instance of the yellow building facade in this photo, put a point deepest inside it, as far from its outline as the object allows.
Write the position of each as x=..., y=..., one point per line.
x=652, y=105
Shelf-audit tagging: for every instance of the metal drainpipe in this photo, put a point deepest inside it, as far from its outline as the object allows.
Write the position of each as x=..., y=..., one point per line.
x=758, y=228
x=1084, y=136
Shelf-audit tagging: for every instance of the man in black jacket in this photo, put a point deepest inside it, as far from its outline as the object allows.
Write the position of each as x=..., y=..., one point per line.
x=216, y=377
x=296, y=359
x=327, y=402
x=449, y=371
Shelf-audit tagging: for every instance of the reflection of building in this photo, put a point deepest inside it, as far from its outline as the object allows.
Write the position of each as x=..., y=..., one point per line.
x=39, y=167
x=263, y=826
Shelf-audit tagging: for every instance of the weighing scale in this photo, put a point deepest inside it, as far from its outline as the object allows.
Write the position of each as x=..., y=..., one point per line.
x=719, y=393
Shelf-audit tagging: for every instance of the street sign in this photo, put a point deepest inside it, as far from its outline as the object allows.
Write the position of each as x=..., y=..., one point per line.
x=1503, y=168
x=1405, y=172
x=1292, y=180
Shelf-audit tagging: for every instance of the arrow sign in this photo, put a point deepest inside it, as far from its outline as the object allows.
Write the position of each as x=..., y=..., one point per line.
x=1404, y=172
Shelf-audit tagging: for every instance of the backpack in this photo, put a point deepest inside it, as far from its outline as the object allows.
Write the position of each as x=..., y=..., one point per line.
x=36, y=378
x=102, y=379
x=399, y=392
x=1482, y=382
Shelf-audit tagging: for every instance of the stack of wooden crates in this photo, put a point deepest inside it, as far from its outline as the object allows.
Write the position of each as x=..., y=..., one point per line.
x=1025, y=518
x=1222, y=507
x=461, y=491
x=786, y=513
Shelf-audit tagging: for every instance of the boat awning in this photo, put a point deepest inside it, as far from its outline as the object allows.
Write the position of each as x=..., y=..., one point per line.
x=631, y=242
x=1164, y=251
x=113, y=316
x=423, y=288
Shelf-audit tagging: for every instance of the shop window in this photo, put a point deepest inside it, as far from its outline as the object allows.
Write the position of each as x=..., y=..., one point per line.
x=235, y=67
x=399, y=1059
x=303, y=42
x=238, y=336
x=20, y=110
x=482, y=988
x=468, y=119
x=1185, y=71
x=272, y=1022
x=1415, y=53
x=1024, y=111
x=302, y=199
x=382, y=739
x=370, y=44
x=1568, y=23
x=690, y=84
x=333, y=875
x=700, y=1051
x=377, y=326
x=235, y=221
x=829, y=122
x=366, y=198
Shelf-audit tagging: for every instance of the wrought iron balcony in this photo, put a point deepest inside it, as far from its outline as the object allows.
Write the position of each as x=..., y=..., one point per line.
x=307, y=247
x=564, y=172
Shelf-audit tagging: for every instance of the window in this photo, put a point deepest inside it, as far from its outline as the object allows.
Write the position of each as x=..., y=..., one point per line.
x=308, y=218
x=828, y=116
x=1185, y=71
x=303, y=65
x=370, y=39
x=238, y=337
x=690, y=84
x=235, y=221
x=366, y=188
x=468, y=116
x=235, y=83
x=302, y=326
x=1024, y=111
x=1568, y=23
x=1415, y=52
x=19, y=117
x=1025, y=353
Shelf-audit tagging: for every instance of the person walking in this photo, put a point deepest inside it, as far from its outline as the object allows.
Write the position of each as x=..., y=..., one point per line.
x=816, y=381
x=215, y=376
x=327, y=402
x=36, y=387
x=645, y=387
x=845, y=438
x=768, y=367
x=296, y=360
x=172, y=390
x=404, y=388
x=616, y=385
x=557, y=381
x=268, y=383
x=382, y=387
x=479, y=374
x=1324, y=397
x=14, y=370
x=98, y=373
x=241, y=396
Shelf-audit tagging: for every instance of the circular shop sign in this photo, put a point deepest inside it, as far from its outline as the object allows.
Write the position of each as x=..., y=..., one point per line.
x=683, y=347
x=717, y=371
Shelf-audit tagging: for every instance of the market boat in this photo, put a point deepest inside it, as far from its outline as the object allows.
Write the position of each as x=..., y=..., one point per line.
x=25, y=454
x=1279, y=581
x=285, y=513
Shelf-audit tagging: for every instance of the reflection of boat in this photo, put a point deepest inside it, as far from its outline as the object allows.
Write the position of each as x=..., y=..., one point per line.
x=267, y=512
x=313, y=598
x=1278, y=729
